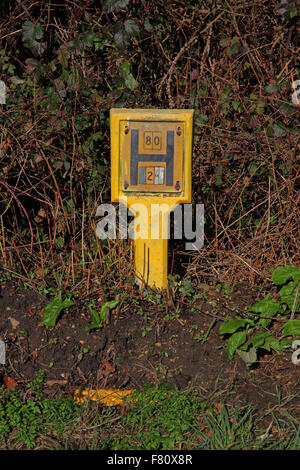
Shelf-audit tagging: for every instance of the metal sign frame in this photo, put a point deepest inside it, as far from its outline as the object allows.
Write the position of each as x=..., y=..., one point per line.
x=171, y=131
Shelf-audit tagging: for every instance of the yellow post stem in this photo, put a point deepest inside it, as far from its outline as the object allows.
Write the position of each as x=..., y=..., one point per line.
x=151, y=247
x=151, y=262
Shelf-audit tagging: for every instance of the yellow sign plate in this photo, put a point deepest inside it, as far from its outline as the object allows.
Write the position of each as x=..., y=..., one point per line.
x=151, y=154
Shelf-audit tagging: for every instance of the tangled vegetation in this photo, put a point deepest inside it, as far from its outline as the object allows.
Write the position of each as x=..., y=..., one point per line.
x=65, y=64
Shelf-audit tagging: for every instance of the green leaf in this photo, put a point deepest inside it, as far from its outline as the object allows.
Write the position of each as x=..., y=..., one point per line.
x=59, y=242
x=147, y=25
x=129, y=79
x=54, y=308
x=289, y=294
x=287, y=109
x=121, y=39
x=283, y=273
x=285, y=343
x=232, y=325
x=265, y=307
x=271, y=343
x=31, y=33
x=110, y=305
x=92, y=326
x=291, y=328
x=219, y=181
x=94, y=314
x=131, y=27
x=99, y=320
x=111, y=5
x=235, y=341
x=259, y=339
x=265, y=322
x=237, y=105
x=260, y=107
x=249, y=357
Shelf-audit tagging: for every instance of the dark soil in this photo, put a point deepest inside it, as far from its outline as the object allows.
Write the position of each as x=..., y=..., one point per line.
x=141, y=344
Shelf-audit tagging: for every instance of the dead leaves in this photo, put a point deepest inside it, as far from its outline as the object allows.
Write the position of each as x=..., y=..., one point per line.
x=50, y=383
x=9, y=383
x=14, y=322
x=105, y=370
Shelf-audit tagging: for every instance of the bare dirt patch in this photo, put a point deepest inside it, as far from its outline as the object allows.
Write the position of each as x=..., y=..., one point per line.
x=143, y=343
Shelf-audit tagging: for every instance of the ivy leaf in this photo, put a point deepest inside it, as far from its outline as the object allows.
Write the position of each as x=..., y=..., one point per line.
x=237, y=106
x=286, y=109
x=124, y=31
x=31, y=31
x=121, y=38
x=265, y=322
x=31, y=34
x=111, y=5
x=147, y=25
x=54, y=308
x=285, y=343
x=131, y=28
x=234, y=342
x=129, y=79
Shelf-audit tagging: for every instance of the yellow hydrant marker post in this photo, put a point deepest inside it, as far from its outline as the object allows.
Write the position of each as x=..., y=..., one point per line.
x=151, y=173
